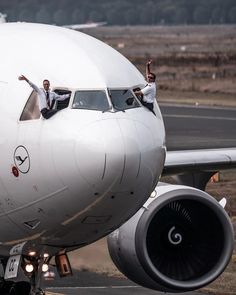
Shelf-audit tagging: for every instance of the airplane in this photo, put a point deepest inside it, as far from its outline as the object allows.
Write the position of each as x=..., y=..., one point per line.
x=94, y=169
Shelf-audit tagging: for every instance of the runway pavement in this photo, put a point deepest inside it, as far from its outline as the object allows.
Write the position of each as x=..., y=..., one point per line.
x=114, y=290
x=191, y=127
x=87, y=283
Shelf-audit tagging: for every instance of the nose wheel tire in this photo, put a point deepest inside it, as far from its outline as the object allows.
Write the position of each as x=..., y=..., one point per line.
x=20, y=288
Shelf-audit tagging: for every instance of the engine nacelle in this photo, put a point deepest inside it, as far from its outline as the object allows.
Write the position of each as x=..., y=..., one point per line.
x=180, y=240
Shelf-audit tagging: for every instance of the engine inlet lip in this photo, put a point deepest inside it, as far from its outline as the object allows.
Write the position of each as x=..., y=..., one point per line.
x=142, y=229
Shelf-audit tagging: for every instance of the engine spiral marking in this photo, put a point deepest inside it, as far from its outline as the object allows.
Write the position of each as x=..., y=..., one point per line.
x=174, y=238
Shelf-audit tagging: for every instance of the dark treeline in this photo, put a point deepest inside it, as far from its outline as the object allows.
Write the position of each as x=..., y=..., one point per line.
x=121, y=12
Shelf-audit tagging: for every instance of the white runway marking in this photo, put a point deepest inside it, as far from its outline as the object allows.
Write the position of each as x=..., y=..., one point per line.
x=199, y=117
x=194, y=106
x=96, y=287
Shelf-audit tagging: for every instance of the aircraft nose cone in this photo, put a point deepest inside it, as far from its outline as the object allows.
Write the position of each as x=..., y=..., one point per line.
x=117, y=153
x=142, y=153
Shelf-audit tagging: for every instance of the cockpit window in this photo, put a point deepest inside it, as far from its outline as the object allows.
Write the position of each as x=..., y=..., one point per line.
x=91, y=100
x=31, y=110
x=62, y=104
x=123, y=99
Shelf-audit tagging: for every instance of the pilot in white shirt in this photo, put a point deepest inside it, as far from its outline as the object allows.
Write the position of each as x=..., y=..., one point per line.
x=46, y=97
x=148, y=93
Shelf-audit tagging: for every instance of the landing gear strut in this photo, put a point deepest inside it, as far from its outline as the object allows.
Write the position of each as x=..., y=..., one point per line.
x=35, y=269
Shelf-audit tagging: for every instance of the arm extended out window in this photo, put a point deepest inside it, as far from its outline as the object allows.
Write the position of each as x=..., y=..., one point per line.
x=59, y=105
x=91, y=100
x=123, y=99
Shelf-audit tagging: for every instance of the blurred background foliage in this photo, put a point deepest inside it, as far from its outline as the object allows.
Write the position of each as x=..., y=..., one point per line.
x=121, y=12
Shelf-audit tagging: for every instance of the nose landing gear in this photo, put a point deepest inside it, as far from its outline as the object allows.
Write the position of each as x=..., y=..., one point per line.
x=23, y=275
x=21, y=272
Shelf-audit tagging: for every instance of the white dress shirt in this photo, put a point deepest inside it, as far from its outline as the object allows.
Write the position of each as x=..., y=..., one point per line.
x=149, y=92
x=42, y=96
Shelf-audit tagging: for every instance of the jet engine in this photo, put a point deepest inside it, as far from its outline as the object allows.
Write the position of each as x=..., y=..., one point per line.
x=180, y=240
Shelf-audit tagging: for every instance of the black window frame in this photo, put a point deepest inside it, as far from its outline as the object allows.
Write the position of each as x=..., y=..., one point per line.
x=62, y=104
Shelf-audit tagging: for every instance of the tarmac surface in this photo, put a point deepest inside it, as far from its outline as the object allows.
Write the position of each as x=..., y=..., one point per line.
x=87, y=283
x=187, y=127
x=197, y=127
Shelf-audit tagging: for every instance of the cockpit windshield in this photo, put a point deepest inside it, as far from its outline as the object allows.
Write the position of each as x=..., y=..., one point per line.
x=123, y=99
x=91, y=100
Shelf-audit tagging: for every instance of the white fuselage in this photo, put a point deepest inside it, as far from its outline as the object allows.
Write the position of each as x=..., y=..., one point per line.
x=83, y=172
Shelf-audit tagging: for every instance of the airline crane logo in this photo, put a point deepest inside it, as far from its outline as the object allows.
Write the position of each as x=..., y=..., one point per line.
x=18, y=158
x=22, y=159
